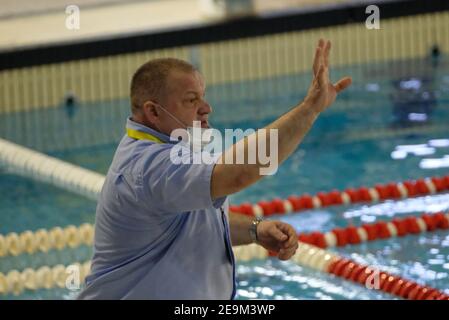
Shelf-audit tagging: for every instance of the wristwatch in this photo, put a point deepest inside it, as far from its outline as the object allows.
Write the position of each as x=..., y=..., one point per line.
x=253, y=229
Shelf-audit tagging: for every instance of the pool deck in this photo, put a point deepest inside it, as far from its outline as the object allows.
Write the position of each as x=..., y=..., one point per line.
x=109, y=19
x=97, y=22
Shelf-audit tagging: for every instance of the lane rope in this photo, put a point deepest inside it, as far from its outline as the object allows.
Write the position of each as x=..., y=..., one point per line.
x=375, y=194
x=71, y=236
x=45, y=277
x=41, y=167
x=44, y=240
x=397, y=227
x=307, y=255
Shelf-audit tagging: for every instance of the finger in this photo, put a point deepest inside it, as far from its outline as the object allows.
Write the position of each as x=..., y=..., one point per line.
x=291, y=242
x=285, y=227
x=276, y=233
x=321, y=43
x=292, y=237
x=321, y=77
x=342, y=84
x=316, y=61
x=327, y=49
x=286, y=254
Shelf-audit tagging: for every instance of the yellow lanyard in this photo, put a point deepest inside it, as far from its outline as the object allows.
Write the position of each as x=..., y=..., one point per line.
x=139, y=135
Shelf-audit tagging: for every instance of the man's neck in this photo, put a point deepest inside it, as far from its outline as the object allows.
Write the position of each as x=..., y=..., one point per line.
x=144, y=122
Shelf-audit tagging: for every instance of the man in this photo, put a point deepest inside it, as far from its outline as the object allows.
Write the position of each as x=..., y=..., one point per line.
x=162, y=229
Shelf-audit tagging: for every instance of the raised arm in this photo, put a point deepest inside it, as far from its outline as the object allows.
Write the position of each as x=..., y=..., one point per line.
x=292, y=128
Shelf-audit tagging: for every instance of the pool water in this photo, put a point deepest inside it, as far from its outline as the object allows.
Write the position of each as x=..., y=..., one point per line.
x=366, y=137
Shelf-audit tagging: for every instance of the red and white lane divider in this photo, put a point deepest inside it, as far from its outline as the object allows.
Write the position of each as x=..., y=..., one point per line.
x=397, y=227
x=401, y=190
x=371, y=277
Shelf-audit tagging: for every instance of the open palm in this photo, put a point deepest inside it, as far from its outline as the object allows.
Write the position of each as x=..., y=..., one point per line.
x=322, y=92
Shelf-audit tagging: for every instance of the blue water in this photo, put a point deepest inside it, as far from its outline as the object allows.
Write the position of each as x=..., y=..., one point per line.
x=354, y=143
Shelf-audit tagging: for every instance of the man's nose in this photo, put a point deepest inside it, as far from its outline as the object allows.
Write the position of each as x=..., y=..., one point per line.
x=205, y=108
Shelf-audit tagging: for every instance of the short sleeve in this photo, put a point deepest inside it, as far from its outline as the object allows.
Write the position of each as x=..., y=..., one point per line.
x=170, y=186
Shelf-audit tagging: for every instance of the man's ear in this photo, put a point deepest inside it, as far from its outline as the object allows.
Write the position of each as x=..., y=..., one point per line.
x=150, y=111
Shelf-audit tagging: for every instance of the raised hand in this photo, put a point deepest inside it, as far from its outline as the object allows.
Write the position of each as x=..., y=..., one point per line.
x=322, y=92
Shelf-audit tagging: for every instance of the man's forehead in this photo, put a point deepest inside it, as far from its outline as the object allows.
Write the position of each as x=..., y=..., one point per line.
x=186, y=81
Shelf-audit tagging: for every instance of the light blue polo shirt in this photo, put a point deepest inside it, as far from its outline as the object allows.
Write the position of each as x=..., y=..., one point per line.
x=158, y=233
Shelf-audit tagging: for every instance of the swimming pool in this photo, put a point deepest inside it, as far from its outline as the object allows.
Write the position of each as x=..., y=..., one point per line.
x=363, y=139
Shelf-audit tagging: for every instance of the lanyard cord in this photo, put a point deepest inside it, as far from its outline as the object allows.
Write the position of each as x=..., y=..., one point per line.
x=139, y=135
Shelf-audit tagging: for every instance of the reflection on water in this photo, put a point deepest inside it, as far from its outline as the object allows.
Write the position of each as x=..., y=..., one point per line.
x=413, y=93
x=273, y=279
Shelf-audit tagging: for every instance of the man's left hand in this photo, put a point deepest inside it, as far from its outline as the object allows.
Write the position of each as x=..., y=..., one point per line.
x=278, y=237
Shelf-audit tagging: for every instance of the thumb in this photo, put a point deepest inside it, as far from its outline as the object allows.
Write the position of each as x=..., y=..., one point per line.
x=342, y=84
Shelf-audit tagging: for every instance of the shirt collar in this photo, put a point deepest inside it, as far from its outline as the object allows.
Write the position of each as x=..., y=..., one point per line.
x=130, y=124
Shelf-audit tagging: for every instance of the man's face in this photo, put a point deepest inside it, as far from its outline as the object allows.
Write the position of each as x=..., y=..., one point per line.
x=185, y=100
